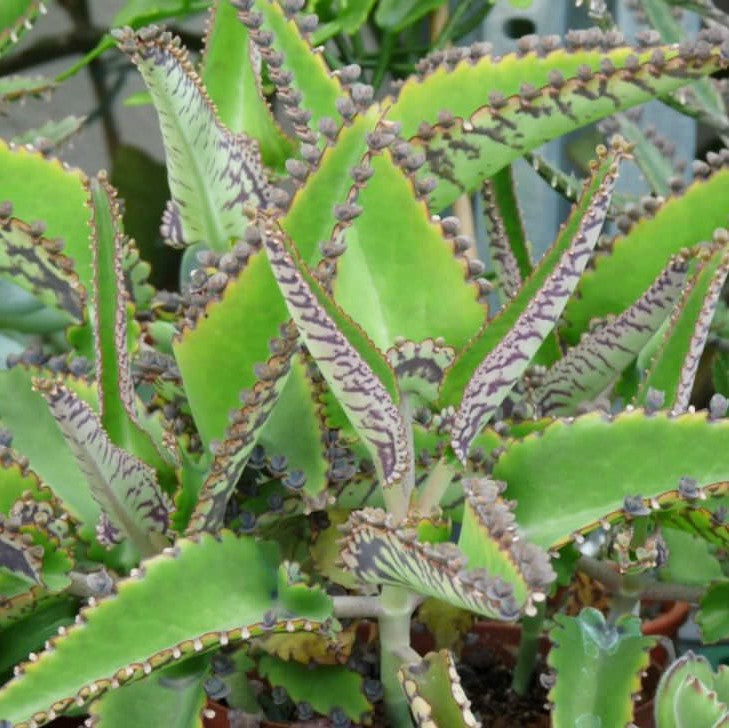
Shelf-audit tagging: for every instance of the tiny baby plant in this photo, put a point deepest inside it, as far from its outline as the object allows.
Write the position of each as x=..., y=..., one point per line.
x=239, y=497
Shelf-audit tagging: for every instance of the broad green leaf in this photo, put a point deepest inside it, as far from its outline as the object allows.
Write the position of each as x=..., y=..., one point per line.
x=498, y=371
x=671, y=689
x=35, y=263
x=231, y=73
x=132, y=503
x=417, y=288
x=592, y=366
x=296, y=429
x=497, y=329
x=36, y=436
x=15, y=87
x=242, y=597
x=674, y=366
x=464, y=150
x=231, y=455
x=637, y=258
x=691, y=559
x=589, y=654
x=696, y=705
x=212, y=172
x=252, y=304
x=16, y=17
x=324, y=687
x=355, y=370
x=319, y=89
x=628, y=454
x=42, y=189
x=508, y=247
x=253, y=307
x=376, y=552
x=486, y=540
x=713, y=617
x=174, y=696
x=434, y=693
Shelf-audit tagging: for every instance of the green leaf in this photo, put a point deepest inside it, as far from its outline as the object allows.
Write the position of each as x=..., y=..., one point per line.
x=174, y=696
x=592, y=366
x=638, y=257
x=126, y=488
x=324, y=687
x=508, y=247
x=246, y=422
x=434, y=693
x=215, y=590
x=596, y=448
x=16, y=17
x=36, y=264
x=395, y=251
x=589, y=654
x=713, y=616
x=704, y=91
x=296, y=429
x=117, y=398
x=231, y=74
x=653, y=162
x=43, y=189
x=51, y=134
x=357, y=373
x=674, y=366
x=310, y=75
x=36, y=436
x=18, y=558
x=464, y=150
x=29, y=633
x=496, y=330
x=143, y=12
x=394, y=15
x=252, y=304
x=690, y=559
x=690, y=694
x=16, y=87
x=353, y=14
x=487, y=518
x=212, y=173
x=499, y=370
x=377, y=552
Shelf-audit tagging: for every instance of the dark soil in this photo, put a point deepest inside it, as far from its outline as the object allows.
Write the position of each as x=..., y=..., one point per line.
x=487, y=682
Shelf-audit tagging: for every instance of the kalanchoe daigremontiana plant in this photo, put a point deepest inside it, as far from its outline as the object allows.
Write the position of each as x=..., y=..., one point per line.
x=328, y=424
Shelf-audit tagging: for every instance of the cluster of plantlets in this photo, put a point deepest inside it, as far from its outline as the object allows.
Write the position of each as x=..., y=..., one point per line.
x=328, y=422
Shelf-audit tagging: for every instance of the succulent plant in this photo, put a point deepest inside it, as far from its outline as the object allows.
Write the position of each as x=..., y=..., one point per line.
x=329, y=422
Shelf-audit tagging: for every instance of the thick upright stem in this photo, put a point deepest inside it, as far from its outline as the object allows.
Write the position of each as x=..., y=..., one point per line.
x=531, y=631
x=435, y=486
x=394, y=623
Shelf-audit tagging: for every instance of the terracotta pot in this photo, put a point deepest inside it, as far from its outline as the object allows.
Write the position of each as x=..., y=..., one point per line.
x=669, y=621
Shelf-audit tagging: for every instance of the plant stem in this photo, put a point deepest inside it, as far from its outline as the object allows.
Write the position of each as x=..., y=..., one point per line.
x=531, y=631
x=394, y=624
x=649, y=589
x=353, y=607
x=434, y=487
